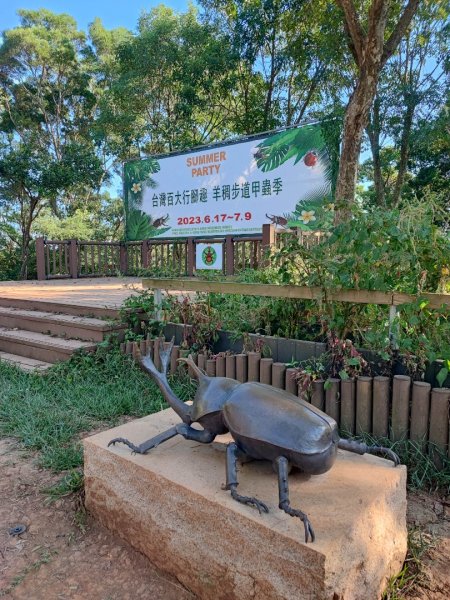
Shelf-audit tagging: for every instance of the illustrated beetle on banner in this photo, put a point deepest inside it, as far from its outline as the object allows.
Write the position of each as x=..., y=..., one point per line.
x=266, y=424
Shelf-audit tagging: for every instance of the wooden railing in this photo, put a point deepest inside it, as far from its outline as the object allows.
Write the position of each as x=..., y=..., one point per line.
x=74, y=258
x=294, y=291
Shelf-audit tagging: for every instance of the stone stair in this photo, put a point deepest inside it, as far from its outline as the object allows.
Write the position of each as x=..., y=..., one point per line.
x=35, y=334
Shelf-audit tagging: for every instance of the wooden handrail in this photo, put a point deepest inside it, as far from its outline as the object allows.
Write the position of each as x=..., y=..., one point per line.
x=293, y=291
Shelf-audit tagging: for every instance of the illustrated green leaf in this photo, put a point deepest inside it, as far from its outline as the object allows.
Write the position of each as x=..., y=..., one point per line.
x=272, y=158
x=139, y=226
x=280, y=147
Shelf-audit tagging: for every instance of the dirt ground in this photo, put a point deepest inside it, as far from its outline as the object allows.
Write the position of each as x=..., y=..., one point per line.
x=66, y=555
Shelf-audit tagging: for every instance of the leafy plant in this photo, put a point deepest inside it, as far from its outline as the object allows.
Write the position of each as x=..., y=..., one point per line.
x=401, y=249
x=309, y=371
x=201, y=322
x=344, y=360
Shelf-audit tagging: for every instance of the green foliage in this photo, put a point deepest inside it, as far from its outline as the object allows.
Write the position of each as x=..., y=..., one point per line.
x=167, y=84
x=201, y=322
x=47, y=152
x=391, y=250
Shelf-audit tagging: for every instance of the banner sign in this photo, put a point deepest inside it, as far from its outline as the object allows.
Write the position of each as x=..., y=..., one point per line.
x=234, y=188
x=209, y=256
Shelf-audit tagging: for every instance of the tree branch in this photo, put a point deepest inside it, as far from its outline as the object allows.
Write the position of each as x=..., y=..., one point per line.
x=354, y=30
x=399, y=30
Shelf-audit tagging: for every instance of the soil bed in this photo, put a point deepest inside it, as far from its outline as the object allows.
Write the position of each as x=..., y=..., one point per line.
x=65, y=554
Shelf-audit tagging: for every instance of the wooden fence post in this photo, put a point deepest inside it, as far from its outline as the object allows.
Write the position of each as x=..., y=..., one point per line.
x=348, y=410
x=278, y=375
x=229, y=254
x=440, y=399
x=40, y=258
x=220, y=366
x=123, y=258
x=144, y=254
x=363, y=405
x=241, y=367
x=401, y=390
x=291, y=384
x=332, y=399
x=230, y=367
x=265, y=370
x=211, y=368
x=254, y=359
x=73, y=259
x=380, y=407
x=420, y=411
x=190, y=257
x=318, y=394
x=268, y=240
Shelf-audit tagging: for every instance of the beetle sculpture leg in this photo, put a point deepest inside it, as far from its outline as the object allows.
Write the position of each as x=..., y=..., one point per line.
x=189, y=433
x=282, y=465
x=361, y=448
x=232, y=482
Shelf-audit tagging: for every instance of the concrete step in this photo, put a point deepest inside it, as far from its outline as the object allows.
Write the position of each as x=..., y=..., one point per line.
x=79, y=310
x=40, y=346
x=68, y=326
x=24, y=363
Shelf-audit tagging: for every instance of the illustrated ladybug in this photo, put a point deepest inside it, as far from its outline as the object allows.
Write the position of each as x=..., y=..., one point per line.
x=311, y=158
x=209, y=256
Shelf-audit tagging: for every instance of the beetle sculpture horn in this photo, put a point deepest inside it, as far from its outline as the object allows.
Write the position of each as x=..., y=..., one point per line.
x=190, y=362
x=160, y=377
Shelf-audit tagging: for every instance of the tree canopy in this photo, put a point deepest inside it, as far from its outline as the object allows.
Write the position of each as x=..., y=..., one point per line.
x=75, y=104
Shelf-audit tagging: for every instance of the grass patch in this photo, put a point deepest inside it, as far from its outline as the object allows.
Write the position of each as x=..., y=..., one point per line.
x=50, y=413
x=71, y=483
x=412, y=573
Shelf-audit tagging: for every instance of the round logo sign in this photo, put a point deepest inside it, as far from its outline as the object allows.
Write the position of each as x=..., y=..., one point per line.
x=209, y=256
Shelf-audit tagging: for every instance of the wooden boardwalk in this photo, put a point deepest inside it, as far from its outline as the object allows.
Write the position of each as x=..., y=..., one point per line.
x=101, y=292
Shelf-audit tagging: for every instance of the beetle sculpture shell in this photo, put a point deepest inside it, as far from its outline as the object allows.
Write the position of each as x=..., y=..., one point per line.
x=306, y=436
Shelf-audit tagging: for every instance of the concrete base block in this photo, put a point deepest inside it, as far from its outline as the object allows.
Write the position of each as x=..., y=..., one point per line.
x=169, y=505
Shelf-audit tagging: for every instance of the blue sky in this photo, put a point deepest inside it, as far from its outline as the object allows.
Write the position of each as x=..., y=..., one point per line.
x=112, y=13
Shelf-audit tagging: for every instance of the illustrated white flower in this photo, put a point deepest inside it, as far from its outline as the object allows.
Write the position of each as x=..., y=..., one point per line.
x=136, y=188
x=307, y=216
x=330, y=206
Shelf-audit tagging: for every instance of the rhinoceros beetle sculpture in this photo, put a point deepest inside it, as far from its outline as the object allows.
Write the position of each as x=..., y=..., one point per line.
x=265, y=423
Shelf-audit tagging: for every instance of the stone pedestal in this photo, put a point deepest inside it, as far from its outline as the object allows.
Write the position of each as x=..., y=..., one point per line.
x=169, y=505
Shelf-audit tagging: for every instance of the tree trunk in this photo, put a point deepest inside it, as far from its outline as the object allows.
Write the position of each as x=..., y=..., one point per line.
x=27, y=222
x=25, y=254
x=370, y=52
x=356, y=118
x=373, y=131
x=404, y=151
